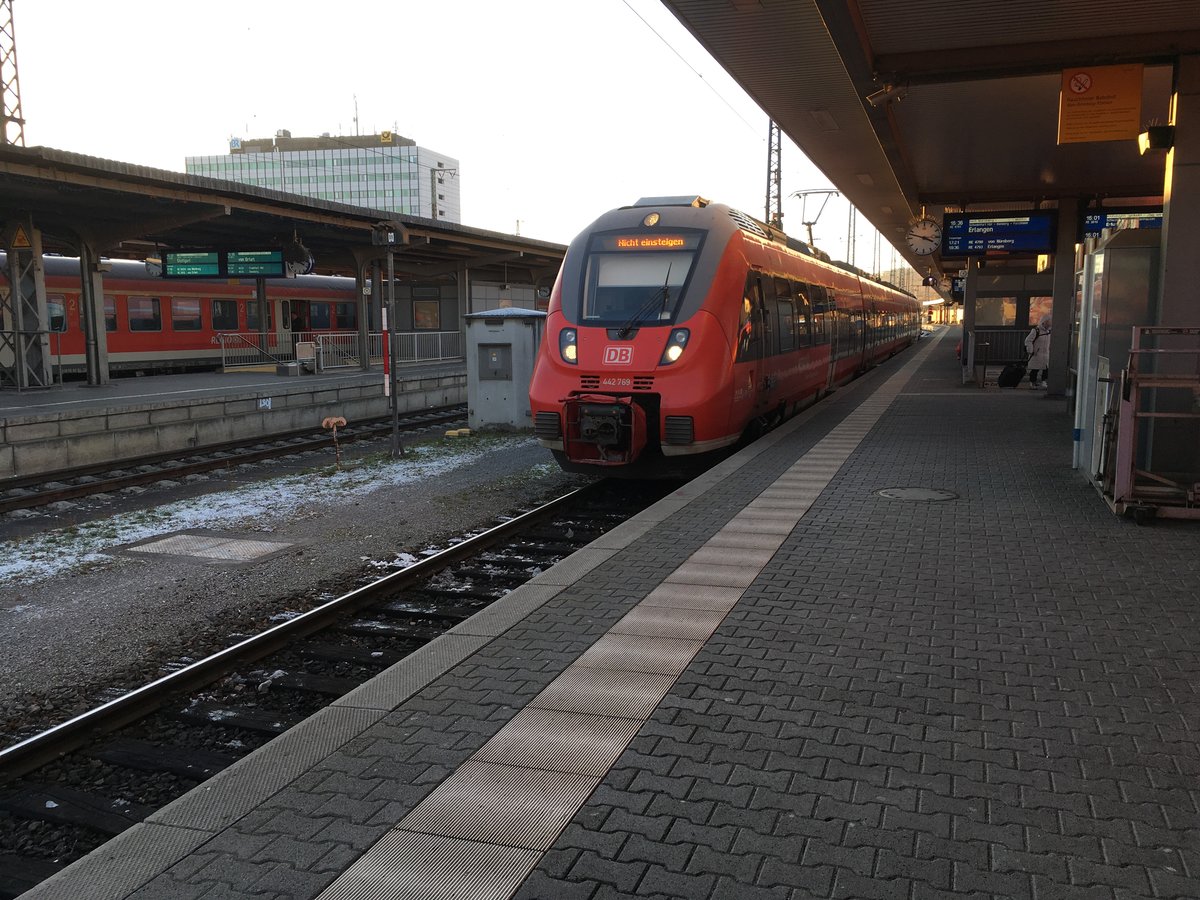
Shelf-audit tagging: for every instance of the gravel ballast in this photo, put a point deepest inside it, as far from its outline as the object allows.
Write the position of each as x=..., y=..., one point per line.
x=82, y=618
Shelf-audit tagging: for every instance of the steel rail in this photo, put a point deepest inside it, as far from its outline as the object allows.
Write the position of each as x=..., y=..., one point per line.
x=362, y=432
x=43, y=748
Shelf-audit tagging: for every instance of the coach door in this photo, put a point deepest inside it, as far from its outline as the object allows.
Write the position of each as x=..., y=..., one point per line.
x=755, y=340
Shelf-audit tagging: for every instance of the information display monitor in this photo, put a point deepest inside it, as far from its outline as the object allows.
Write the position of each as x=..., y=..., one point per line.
x=993, y=234
x=1096, y=221
x=223, y=264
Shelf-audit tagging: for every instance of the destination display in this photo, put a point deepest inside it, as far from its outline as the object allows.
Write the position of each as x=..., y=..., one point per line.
x=223, y=264
x=201, y=264
x=259, y=263
x=1098, y=221
x=999, y=233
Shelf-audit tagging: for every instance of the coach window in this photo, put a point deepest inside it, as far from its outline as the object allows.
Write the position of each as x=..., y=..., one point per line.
x=224, y=315
x=785, y=315
x=318, y=315
x=110, y=312
x=56, y=311
x=252, y=318
x=345, y=313
x=749, y=341
x=185, y=314
x=822, y=324
x=803, y=315
x=144, y=314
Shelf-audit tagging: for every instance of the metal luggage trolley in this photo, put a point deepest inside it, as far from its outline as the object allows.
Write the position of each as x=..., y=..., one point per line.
x=1150, y=451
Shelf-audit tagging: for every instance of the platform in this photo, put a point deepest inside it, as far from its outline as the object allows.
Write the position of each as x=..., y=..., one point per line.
x=76, y=424
x=898, y=648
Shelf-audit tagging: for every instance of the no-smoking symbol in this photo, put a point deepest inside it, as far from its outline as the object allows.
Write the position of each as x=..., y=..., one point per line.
x=1080, y=83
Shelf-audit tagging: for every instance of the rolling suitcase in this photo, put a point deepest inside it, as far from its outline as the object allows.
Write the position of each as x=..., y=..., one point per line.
x=1010, y=376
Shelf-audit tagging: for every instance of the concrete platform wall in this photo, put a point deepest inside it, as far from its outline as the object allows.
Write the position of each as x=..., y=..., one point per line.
x=31, y=445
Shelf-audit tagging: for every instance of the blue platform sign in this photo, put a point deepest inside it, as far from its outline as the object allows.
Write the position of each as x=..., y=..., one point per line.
x=999, y=233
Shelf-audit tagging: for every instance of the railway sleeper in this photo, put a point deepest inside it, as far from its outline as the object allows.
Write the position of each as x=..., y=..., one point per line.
x=390, y=630
x=262, y=720
x=430, y=610
x=508, y=578
x=68, y=806
x=324, y=685
x=357, y=656
x=144, y=756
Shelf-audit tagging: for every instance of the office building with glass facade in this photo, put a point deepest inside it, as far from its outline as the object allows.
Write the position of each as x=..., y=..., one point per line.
x=380, y=171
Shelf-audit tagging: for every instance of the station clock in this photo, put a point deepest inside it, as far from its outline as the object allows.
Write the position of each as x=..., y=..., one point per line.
x=924, y=236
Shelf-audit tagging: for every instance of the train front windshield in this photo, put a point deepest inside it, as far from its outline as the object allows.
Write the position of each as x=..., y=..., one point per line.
x=636, y=280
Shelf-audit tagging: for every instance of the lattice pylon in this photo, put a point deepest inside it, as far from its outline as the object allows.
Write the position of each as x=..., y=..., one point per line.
x=12, y=122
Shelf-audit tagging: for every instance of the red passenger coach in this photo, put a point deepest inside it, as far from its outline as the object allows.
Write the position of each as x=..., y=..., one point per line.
x=154, y=324
x=678, y=326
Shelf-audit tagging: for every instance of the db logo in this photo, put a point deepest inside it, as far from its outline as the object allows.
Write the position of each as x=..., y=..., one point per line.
x=618, y=356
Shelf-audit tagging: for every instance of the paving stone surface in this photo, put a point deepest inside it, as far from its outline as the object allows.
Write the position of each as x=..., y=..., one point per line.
x=990, y=696
x=993, y=696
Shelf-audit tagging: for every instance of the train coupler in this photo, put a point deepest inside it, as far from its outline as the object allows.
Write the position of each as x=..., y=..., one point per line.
x=603, y=430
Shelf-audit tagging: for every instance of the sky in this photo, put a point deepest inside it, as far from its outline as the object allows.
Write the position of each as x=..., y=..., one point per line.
x=557, y=110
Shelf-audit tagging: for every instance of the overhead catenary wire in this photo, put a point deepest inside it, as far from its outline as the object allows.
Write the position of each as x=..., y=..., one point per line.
x=694, y=69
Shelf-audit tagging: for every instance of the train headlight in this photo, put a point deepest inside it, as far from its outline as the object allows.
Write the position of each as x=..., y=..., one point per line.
x=675, y=344
x=568, y=347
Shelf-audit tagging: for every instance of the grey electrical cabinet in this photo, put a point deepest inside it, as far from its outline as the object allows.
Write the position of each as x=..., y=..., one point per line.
x=501, y=347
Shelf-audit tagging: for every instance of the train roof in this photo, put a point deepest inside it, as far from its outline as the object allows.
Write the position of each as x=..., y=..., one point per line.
x=747, y=223
x=138, y=270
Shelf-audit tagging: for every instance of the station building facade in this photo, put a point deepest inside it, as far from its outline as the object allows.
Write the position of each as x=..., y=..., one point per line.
x=379, y=171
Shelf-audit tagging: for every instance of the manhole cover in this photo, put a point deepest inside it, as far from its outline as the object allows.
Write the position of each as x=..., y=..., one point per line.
x=917, y=494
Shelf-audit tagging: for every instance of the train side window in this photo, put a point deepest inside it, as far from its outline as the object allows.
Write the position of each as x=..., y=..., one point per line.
x=252, y=317
x=318, y=315
x=766, y=315
x=822, y=316
x=144, y=314
x=56, y=312
x=110, y=312
x=224, y=315
x=749, y=338
x=185, y=314
x=785, y=315
x=346, y=315
x=803, y=313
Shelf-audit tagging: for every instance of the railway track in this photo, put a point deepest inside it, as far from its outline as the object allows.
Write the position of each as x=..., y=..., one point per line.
x=65, y=791
x=42, y=490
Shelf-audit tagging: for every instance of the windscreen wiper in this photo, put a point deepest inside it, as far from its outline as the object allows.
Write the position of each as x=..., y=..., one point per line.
x=662, y=294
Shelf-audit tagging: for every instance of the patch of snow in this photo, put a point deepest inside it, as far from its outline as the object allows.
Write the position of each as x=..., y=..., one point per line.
x=256, y=505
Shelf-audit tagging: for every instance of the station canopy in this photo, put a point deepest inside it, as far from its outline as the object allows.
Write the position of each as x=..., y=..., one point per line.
x=131, y=211
x=964, y=106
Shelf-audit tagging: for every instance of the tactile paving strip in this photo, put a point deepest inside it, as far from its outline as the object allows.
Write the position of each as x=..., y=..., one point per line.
x=521, y=788
x=440, y=868
x=499, y=804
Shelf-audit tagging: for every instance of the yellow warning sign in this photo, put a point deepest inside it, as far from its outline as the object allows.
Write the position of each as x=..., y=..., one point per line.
x=20, y=240
x=1100, y=103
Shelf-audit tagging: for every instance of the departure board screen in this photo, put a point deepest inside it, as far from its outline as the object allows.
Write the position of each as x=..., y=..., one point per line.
x=223, y=264
x=999, y=233
x=192, y=264
x=258, y=263
x=1099, y=220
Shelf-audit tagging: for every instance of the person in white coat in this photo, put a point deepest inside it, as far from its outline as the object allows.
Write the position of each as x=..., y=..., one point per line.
x=1037, y=345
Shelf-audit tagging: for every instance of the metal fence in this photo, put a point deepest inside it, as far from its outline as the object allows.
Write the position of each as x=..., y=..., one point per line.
x=426, y=346
x=337, y=349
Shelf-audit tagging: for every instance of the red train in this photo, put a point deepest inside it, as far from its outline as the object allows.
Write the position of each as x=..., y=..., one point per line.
x=677, y=326
x=159, y=325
